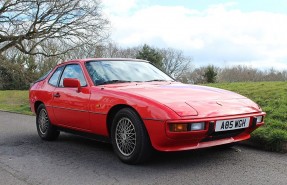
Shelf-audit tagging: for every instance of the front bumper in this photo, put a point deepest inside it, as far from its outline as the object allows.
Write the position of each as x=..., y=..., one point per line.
x=163, y=139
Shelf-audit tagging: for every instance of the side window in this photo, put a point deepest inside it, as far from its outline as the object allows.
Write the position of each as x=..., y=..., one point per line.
x=55, y=77
x=73, y=71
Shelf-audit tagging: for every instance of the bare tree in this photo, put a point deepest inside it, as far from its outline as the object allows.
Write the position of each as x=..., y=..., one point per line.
x=175, y=63
x=114, y=51
x=29, y=25
x=241, y=73
x=197, y=76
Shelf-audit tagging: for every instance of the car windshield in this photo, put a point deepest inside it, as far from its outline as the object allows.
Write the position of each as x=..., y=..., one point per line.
x=107, y=72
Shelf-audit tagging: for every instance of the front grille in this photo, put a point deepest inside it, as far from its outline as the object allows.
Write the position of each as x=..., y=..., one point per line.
x=222, y=135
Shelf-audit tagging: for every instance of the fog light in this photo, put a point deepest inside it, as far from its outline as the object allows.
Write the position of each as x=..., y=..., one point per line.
x=259, y=119
x=197, y=126
x=178, y=127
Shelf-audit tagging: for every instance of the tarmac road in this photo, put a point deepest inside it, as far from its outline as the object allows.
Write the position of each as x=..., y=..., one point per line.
x=26, y=159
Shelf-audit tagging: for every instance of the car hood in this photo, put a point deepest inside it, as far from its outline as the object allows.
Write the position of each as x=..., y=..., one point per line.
x=194, y=100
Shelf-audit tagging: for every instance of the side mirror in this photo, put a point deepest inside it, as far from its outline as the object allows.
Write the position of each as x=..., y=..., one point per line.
x=72, y=82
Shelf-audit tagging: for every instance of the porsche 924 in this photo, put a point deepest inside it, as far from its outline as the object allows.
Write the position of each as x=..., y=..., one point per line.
x=138, y=108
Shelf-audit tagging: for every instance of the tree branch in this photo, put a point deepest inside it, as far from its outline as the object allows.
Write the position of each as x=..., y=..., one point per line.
x=27, y=24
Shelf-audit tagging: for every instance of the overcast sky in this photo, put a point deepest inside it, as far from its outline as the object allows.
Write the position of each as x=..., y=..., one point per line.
x=223, y=33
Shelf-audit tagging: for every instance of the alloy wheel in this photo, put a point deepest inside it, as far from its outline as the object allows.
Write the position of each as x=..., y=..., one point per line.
x=43, y=121
x=125, y=136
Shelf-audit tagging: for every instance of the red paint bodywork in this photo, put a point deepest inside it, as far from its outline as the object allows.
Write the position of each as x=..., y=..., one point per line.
x=157, y=103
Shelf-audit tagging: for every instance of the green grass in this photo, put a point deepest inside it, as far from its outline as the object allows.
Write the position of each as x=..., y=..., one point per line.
x=15, y=101
x=272, y=97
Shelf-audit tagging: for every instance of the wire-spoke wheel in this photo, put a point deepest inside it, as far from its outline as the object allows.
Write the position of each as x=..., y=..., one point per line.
x=129, y=137
x=126, y=136
x=43, y=121
x=45, y=129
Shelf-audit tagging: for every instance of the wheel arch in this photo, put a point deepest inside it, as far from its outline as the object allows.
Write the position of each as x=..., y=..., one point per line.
x=36, y=105
x=112, y=112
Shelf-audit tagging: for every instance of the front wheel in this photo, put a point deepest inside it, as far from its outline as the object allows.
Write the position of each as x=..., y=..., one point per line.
x=45, y=129
x=129, y=137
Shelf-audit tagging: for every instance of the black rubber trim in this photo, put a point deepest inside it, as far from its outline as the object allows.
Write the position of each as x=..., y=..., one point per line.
x=96, y=137
x=254, y=122
x=211, y=128
x=223, y=135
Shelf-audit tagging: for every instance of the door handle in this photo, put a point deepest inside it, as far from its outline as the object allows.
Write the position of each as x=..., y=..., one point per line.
x=57, y=95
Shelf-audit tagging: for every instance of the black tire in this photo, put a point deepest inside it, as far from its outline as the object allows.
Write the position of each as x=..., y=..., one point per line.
x=129, y=137
x=45, y=129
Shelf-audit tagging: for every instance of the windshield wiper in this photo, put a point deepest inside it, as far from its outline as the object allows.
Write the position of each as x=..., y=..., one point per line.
x=157, y=80
x=114, y=82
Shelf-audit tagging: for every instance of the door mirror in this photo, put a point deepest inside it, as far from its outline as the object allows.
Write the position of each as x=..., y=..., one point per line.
x=72, y=82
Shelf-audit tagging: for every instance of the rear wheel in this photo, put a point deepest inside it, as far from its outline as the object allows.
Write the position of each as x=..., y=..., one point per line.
x=45, y=129
x=129, y=137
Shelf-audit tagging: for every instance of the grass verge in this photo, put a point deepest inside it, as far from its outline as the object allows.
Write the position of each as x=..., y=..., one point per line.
x=272, y=97
x=15, y=101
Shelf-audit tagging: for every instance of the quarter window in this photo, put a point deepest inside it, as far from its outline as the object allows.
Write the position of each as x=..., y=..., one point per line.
x=73, y=71
x=55, y=77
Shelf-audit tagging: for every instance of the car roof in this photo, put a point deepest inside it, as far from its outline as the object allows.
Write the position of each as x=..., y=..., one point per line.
x=103, y=59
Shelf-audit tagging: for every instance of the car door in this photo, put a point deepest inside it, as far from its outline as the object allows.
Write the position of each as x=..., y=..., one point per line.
x=71, y=107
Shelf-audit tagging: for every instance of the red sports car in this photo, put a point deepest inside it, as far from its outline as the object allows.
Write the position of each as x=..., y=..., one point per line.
x=138, y=108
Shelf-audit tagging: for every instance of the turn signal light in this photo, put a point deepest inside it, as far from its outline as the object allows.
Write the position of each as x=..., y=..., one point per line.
x=178, y=127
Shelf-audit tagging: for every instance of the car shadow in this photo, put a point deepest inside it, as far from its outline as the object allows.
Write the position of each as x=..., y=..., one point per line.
x=104, y=152
x=75, y=152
